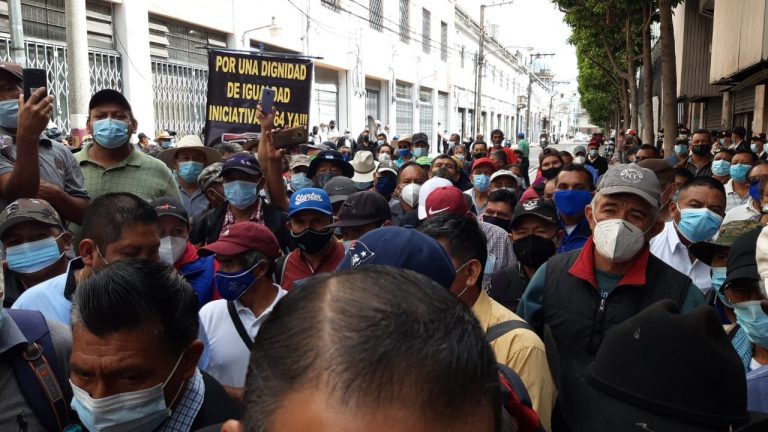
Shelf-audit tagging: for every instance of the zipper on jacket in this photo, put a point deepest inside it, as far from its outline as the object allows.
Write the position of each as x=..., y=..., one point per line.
x=598, y=325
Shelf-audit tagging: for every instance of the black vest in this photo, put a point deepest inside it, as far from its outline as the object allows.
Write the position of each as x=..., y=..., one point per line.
x=507, y=287
x=577, y=312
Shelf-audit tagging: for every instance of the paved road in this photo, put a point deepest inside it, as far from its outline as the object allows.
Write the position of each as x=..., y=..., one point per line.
x=533, y=157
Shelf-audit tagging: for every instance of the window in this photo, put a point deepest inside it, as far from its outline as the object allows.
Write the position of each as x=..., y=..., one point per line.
x=426, y=23
x=331, y=4
x=463, y=55
x=425, y=111
x=173, y=40
x=443, y=41
x=404, y=108
x=375, y=14
x=404, y=21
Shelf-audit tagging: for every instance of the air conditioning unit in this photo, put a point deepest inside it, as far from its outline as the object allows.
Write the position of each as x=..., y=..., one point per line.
x=522, y=101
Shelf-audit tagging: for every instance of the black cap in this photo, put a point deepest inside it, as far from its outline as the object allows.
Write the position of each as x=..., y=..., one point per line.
x=109, y=95
x=334, y=157
x=245, y=162
x=741, y=258
x=363, y=208
x=418, y=137
x=543, y=209
x=166, y=206
x=740, y=131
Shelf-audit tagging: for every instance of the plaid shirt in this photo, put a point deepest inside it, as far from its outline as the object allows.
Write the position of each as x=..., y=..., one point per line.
x=184, y=415
x=256, y=216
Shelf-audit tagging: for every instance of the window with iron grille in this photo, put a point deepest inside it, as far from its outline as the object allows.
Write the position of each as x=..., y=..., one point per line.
x=463, y=55
x=45, y=19
x=426, y=24
x=425, y=111
x=331, y=4
x=175, y=41
x=375, y=14
x=405, y=26
x=404, y=108
x=443, y=41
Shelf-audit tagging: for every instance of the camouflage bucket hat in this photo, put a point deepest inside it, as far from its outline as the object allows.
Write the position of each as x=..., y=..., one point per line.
x=29, y=210
x=210, y=175
x=704, y=251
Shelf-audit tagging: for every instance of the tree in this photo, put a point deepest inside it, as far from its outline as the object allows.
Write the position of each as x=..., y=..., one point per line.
x=668, y=75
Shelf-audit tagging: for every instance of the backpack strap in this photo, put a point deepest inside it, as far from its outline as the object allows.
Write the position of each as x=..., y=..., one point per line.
x=38, y=373
x=496, y=331
x=277, y=276
x=239, y=325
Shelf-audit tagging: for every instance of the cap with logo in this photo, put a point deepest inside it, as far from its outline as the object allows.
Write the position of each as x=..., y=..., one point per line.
x=242, y=237
x=420, y=137
x=29, y=210
x=426, y=189
x=542, y=209
x=166, y=206
x=210, y=175
x=404, y=248
x=333, y=157
x=299, y=161
x=339, y=188
x=364, y=166
x=363, y=208
x=189, y=142
x=631, y=179
x=310, y=199
x=446, y=199
x=484, y=162
x=245, y=162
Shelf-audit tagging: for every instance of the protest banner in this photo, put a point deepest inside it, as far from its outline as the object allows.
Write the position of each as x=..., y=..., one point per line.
x=235, y=82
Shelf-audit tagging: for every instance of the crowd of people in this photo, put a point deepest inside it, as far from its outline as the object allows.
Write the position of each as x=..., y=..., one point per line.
x=388, y=284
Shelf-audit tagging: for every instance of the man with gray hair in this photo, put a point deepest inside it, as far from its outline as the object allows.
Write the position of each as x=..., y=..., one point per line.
x=581, y=294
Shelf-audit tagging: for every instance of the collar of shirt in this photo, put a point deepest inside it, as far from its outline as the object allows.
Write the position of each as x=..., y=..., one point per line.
x=197, y=193
x=191, y=401
x=482, y=310
x=242, y=310
x=134, y=159
x=10, y=334
x=71, y=284
x=229, y=218
x=673, y=239
x=584, y=267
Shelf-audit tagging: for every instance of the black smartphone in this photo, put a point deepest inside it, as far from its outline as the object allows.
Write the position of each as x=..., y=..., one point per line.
x=33, y=79
x=267, y=100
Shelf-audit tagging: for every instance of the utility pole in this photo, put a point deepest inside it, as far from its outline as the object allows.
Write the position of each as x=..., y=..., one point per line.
x=78, y=79
x=18, y=53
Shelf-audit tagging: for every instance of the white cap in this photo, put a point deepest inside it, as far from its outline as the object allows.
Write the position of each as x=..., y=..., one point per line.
x=410, y=194
x=501, y=173
x=427, y=188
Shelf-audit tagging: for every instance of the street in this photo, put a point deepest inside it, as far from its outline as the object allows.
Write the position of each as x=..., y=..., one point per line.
x=533, y=157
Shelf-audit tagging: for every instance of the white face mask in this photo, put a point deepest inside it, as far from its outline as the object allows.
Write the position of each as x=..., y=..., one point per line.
x=617, y=240
x=131, y=411
x=172, y=248
x=579, y=160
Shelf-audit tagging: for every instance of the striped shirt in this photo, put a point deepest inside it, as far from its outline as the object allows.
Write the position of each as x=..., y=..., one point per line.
x=195, y=204
x=189, y=405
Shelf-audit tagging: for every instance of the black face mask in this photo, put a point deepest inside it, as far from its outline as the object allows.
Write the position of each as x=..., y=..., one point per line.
x=701, y=150
x=442, y=172
x=501, y=223
x=312, y=242
x=533, y=251
x=550, y=173
x=477, y=156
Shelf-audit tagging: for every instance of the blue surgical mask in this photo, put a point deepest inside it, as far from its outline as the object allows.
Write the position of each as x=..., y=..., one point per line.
x=363, y=186
x=141, y=410
x=241, y=194
x=300, y=181
x=698, y=224
x=722, y=141
x=419, y=152
x=385, y=186
x=481, y=182
x=753, y=320
x=34, y=256
x=190, y=170
x=721, y=167
x=9, y=114
x=754, y=191
x=233, y=285
x=571, y=203
x=718, y=279
x=404, y=153
x=110, y=133
x=681, y=149
x=739, y=172
x=753, y=147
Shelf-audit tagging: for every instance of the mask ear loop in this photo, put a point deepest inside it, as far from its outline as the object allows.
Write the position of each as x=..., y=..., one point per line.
x=181, y=386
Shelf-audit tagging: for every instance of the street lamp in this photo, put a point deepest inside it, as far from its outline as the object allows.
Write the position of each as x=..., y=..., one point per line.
x=242, y=38
x=480, y=56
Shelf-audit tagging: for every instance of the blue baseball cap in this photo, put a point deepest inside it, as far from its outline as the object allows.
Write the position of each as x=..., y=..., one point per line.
x=404, y=248
x=310, y=199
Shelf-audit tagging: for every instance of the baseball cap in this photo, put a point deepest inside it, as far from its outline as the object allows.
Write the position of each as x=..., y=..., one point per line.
x=426, y=189
x=304, y=148
x=109, y=95
x=166, y=206
x=299, y=161
x=12, y=70
x=402, y=248
x=406, y=138
x=210, y=175
x=410, y=194
x=242, y=237
x=245, y=162
x=446, y=199
x=189, y=142
x=364, y=166
x=705, y=250
x=335, y=158
x=339, y=188
x=542, y=209
x=420, y=137
x=387, y=165
x=310, y=199
x=502, y=173
x=29, y=210
x=484, y=161
x=631, y=179
x=424, y=161
x=742, y=263
x=579, y=149
x=363, y=208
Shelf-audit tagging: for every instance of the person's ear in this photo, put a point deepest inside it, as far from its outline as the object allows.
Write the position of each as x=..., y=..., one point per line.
x=260, y=269
x=674, y=211
x=188, y=364
x=589, y=214
x=232, y=426
x=88, y=252
x=65, y=241
x=133, y=125
x=474, y=268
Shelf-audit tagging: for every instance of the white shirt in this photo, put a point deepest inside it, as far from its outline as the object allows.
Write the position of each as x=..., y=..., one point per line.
x=668, y=247
x=743, y=212
x=732, y=199
x=229, y=356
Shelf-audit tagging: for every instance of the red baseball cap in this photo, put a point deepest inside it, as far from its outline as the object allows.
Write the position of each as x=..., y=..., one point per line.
x=484, y=161
x=241, y=237
x=448, y=199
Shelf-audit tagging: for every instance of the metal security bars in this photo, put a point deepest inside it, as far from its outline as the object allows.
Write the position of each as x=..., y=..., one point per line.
x=444, y=41
x=426, y=24
x=404, y=108
x=331, y=4
x=180, y=96
x=426, y=112
x=405, y=20
x=375, y=14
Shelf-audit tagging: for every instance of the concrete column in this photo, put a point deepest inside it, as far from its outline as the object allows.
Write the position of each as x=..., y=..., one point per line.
x=760, y=121
x=132, y=28
x=726, y=117
x=78, y=77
